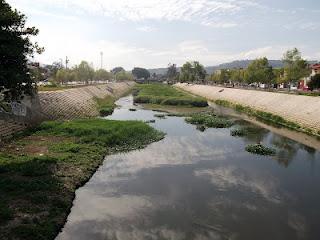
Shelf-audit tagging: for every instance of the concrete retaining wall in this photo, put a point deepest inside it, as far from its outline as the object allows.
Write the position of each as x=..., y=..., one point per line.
x=57, y=105
x=303, y=110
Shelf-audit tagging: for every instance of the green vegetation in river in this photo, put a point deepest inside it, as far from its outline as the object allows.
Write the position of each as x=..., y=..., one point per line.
x=105, y=105
x=39, y=173
x=209, y=120
x=161, y=94
x=260, y=149
x=267, y=117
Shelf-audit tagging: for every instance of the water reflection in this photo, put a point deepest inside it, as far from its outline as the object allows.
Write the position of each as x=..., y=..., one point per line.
x=199, y=185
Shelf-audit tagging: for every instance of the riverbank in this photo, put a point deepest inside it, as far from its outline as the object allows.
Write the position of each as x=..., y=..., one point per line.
x=40, y=172
x=298, y=112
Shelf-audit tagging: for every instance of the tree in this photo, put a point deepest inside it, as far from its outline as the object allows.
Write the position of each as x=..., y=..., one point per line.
x=85, y=72
x=172, y=71
x=259, y=71
x=295, y=67
x=237, y=75
x=65, y=75
x=123, y=76
x=221, y=76
x=15, y=47
x=314, y=82
x=140, y=73
x=117, y=70
x=192, y=71
x=102, y=74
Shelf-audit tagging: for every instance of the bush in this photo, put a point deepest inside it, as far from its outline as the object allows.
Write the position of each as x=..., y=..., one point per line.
x=106, y=111
x=209, y=120
x=260, y=149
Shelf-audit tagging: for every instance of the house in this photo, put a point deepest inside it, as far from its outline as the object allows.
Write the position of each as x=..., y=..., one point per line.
x=303, y=83
x=315, y=69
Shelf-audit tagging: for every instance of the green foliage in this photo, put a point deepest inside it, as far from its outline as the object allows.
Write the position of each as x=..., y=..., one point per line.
x=209, y=120
x=192, y=71
x=123, y=76
x=117, y=70
x=16, y=46
x=314, y=82
x=221, y=76
x=260, y=149
x=259, y=71
x=102, y=75
x=36, y=192
x=140, y=73
x=166, y=95
x=84, y=72
x=160, y=116
x=238, y=132
x=105, y=105
x=295, y=67
x=266, y=117
x=172, y=72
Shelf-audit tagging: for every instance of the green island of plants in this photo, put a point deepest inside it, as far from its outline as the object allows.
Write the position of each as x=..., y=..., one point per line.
x=260, y=149
x=40, y=172
x=162, y=94
x=105, y=105
x=209, y=120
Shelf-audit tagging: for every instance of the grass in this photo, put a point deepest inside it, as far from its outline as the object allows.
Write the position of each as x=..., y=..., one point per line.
x=209, y=120
x=39, y=173
x=161, y=94
x=267, y=117
x=54, y=87
x=105, y=105
x=260, y=149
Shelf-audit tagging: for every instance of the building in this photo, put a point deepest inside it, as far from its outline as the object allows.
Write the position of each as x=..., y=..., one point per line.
x=315, y=69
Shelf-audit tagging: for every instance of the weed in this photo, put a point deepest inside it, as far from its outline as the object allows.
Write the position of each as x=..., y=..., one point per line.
x=260, y=149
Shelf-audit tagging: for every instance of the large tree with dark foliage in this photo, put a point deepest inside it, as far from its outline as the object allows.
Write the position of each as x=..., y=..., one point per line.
x=15, y=47
x=314, y=82
x=141, y=73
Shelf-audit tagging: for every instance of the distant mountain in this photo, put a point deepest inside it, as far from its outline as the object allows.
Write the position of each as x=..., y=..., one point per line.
x=230, y=65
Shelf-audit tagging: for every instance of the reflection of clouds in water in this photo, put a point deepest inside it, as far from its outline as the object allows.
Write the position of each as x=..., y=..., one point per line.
x=298, y=223
x=171, y=151
x=102, y=207
x=225, y=178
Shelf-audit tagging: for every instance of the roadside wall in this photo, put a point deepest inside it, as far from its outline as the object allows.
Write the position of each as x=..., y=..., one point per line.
x=56, y=105
x=303, y=110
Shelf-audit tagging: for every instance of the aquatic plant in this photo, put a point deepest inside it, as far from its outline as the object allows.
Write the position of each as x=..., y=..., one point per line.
x=209, y=120
x=166, y=95
x=260, y=149
x=160, y=116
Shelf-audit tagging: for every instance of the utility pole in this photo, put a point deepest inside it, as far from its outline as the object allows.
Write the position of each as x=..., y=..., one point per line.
x=101, y=60
x=67, y=61
x=61, y=62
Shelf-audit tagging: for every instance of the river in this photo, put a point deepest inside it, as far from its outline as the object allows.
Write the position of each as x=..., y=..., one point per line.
x=199, y=185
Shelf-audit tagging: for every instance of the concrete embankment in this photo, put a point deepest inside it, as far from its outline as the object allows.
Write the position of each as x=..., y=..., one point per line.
x=57, y=105
x=303, y=110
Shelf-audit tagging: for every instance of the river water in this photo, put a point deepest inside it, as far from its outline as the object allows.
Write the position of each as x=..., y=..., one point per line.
x=200, y=185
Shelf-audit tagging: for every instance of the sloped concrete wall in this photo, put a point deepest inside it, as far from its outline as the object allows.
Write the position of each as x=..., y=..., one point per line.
x=58, y=105
x=303, y=110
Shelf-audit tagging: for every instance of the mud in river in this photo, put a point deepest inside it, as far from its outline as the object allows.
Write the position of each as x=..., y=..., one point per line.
x=200, y=185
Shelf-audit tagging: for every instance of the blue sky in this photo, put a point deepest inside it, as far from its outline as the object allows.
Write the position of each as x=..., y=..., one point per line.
x=153, y=33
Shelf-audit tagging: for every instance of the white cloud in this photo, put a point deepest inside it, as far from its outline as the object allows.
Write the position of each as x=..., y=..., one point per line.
x=146, y=29
x=205, y=12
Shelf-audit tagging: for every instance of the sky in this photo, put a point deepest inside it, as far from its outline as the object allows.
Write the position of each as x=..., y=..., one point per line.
x=154, y=33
